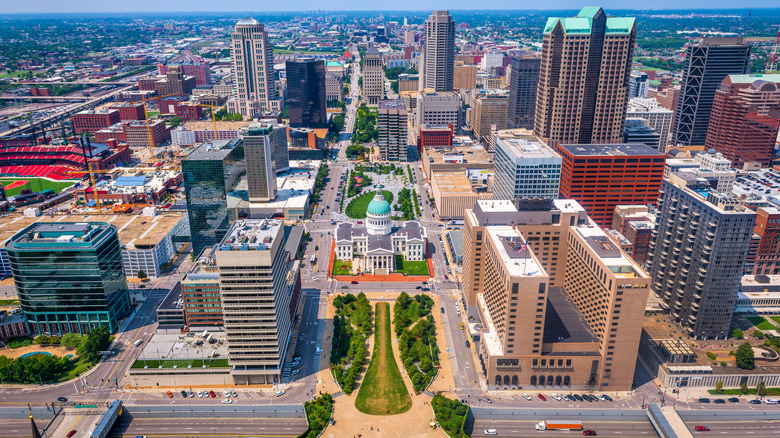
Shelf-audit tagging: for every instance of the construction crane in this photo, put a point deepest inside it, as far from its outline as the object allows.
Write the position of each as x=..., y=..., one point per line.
x=214, y=109
x=771, y=63
x=92, y=173
x=146, y=117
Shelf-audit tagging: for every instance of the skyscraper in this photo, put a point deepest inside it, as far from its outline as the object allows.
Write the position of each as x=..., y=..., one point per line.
x=253, y=70
x=524, y=79
x=583, y=80
x=69, y=276
x=697, y=254
x=745, y=118
x=260, y=165
x=525, y=168
x=488, y=112
x=707, y=64
x=306, y=96
x=438, y=54
x=373, y=76
x=391, y=126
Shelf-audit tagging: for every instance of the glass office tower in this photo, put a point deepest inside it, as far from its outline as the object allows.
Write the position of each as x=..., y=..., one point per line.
x=69, y=276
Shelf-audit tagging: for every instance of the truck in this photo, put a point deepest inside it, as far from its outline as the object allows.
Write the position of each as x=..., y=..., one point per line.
x=559, y=425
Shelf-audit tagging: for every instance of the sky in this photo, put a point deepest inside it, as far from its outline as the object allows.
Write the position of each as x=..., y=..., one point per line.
x=49, y=6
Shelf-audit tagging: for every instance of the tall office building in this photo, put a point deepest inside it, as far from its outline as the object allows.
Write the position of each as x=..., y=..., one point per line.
x=638, y=84
x=697, y=254
x=745, y=118
x=210, y=172
x=306, y=96
x=260, y=166
x=601, y=177
x=392, y=122
x=438, y=109
x=659, y=118
x=69, y=276
x=373, y=76
x=583, y=79
x=561, y=306
x=252, y=263
x=334, y=76
x=438, y=53
x=638, y=130
x=465, y=76
x=525, y=168
x=706, y=65
x=488, y=112
x=523, y=81
x=254, y=83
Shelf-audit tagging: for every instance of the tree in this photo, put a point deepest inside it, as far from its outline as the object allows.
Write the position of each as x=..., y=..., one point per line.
x=176, y=121
x=745, y=358
x=743, y=388
x=719, y=386
x=95, y=341
x=758, y=334
x=70, y=340
x=737, y=334
x=761, y=389
x=141, y=274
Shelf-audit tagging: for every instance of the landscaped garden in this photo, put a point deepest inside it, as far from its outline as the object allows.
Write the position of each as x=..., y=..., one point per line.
x=356, y=181
x=405, y=205
x=451, y=415
x=416, y=333
x=351, y=329
x=342, y=267
x=180, y=363
x=318, y=413
x=356, y=209
x=761, y=323
x=407, y=267
x=383, y=391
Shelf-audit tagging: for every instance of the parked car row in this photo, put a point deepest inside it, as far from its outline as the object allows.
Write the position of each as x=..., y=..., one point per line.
x=203, y=394
x=573, y=397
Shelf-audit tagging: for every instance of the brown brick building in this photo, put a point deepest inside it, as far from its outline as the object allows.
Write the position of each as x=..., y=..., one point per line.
x=91, y=120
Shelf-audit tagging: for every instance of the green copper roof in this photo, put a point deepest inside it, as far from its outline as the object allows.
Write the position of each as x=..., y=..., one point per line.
x=749, y=79
x=583, y=23
x=379, y=206
x=334, y=64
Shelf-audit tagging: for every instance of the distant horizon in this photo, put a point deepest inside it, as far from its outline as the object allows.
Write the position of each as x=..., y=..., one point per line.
x=101, y=7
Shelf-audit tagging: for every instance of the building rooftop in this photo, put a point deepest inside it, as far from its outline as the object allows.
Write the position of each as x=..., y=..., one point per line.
x=515, y=254
x=527, y=148
x=750, y=78
x=397, y=104
x=583, y=23
x=213, y=150
x=597, y=150
x=251, y=234
x=221, y=126
x=457, y=183
x=458, y=154
x=610, y=254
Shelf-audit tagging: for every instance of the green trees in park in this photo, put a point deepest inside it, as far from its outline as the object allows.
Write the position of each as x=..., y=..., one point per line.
x=318, y=413
x=744, y=356
x=351, y=328
x=416, y=333
x=450, y=414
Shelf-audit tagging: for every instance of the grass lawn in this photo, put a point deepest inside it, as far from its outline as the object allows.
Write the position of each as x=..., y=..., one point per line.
x=410, y=268
x=357, y=208
x=761, y=323
x=383, y=391
x=737, y=391
x=181, y=363
x=776, y=319
x=8, y=302
x=341, y=267
x=37, y=184
x=11, y=74
x=152, y=113
x=80, y=367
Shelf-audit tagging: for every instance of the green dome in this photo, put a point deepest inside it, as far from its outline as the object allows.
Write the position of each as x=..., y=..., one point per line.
x=378, y=206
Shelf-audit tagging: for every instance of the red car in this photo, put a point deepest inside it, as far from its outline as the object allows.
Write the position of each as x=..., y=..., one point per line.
x=702, y=428
x=211, y=393
x=354, y=282
x=542, y=397
x=589, y=432
x=71, y=433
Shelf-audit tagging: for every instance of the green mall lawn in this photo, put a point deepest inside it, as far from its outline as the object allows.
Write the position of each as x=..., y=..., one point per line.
x=410, y=268
x=358, y=206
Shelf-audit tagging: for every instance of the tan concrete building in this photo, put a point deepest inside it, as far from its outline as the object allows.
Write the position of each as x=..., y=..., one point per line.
x=465, y=76
x=561, y=306
x=408, y=82
x=454, y=192
x=489, y=109
x=455, y=158
x=373, y=77
x=583, y=79
x=254, y=89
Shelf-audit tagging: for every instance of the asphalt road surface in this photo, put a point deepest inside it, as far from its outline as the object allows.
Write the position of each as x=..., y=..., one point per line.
x=521, y=428
x=209, y=427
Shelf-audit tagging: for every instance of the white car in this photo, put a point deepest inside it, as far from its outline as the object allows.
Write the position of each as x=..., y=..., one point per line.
x=556, y=396
x=200, y=394
x=294, y=372
x=233, y=393
x=526, y=396
x=279, y=393
x=226, y=393
x=226, y=401
x=600, y=397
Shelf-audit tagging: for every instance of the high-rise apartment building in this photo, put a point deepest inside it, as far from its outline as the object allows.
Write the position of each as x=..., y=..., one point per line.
x=706, y=65
x=438, y=54
x=638, y=130
x=465, y=76
x=489, y=108
x=560, y=304
x=438, y=109
x=209, y=172
x=745, y=118
x=392, y=122
x=260, y=142
x=768, y=228
x=583, y=79
x=373, y=76
x=69, y=276
x=409, y=37
x=523, y=82
x=602, y=176
x=525, y=168
x=697, y=254
x=253, y=263
x=659, y=118
x=175, y=83
x=306, y=96
x=254, y=82
x=638, y=84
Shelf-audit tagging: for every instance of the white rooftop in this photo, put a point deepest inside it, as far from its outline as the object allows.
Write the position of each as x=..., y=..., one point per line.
x=497, y=206
x=515, y=254
x=251, y=234
x=527, y=148
x=568, y=205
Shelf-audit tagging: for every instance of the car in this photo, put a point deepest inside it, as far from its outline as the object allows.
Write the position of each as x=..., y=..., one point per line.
x=442, y=310
x=226, y=393
x=733, y=400
x=226, y=401
x=486, y=400
x=491, y=432
x=607, y=398
x=211, y=393
x=279, y=393
x=169, y=394
x=316, y=248
x=704, y=400
x=296, y=358
x=71, y=433
x=426, y=289
x=461, y=326
x=720, y=401
x=233, y=393
x=184, y=394
x=566, y=398
x=62, y=399
x=418, y=287
x=589, y=432
x=468, y=344
x=702, y=428
x=577, y=397
x=360, y=222
x=355, y=282
x=200, y=394
x=345, y=287
x=541, y=396
x=556, y=396
x=755, y=402
x=191, y=394
x=599, y=397
x=314, y=279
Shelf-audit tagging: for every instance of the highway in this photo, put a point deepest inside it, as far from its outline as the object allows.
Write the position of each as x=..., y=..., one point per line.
x=211, y=427
x=521, y=428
